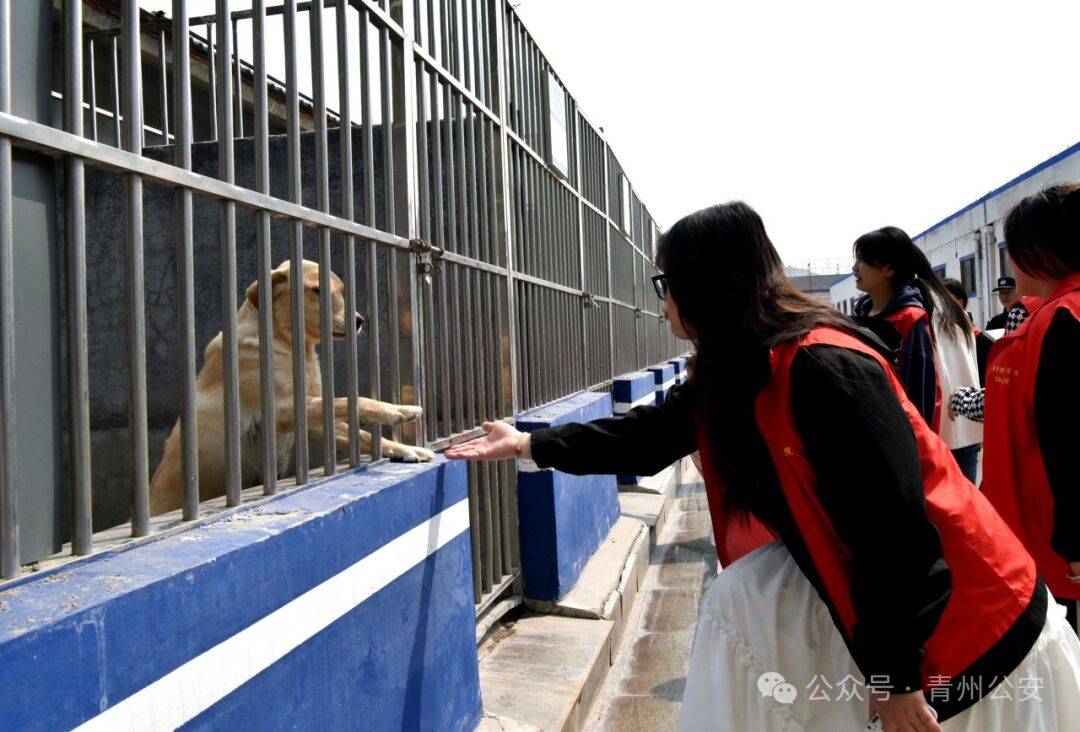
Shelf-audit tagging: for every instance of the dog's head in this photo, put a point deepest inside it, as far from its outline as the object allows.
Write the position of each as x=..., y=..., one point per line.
x=281, y=283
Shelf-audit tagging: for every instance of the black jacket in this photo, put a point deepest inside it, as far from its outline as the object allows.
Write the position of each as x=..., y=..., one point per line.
x=856, y=436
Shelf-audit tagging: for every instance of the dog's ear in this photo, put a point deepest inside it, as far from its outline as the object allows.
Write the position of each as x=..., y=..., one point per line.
x=277, y=277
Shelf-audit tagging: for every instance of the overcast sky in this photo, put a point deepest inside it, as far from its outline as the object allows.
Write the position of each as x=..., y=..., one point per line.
x=831, y=118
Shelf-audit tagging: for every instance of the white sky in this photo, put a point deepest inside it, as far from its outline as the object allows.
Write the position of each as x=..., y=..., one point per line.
x=830, y=118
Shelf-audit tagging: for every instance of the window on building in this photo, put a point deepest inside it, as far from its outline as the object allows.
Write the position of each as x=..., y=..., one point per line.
x=967, y=275
x=1003, y=262
x=940, y=271
x=558, y=141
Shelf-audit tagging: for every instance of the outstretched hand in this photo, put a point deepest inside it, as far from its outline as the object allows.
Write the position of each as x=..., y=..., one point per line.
x=499, y=443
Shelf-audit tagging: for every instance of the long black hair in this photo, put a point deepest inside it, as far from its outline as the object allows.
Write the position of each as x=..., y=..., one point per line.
x=1042, y=232
x=892, y=246
x=728, y=284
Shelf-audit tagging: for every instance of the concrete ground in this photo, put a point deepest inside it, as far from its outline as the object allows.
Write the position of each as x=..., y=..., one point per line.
x=644, y=688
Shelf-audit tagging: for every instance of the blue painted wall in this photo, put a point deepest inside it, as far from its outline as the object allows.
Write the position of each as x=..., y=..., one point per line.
x=630, y=388
x=80, y=641
x=680, y=369
x=664, y=379
x=562, y=518
x=637, y=386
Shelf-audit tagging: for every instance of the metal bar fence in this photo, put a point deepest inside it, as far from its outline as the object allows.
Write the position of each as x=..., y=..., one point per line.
x=502, y=271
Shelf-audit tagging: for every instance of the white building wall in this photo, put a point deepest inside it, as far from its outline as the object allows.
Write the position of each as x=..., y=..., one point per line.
x=843, y=294
x=979, y=230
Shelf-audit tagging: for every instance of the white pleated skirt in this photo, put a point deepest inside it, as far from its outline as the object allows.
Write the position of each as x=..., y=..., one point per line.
x=767, y=656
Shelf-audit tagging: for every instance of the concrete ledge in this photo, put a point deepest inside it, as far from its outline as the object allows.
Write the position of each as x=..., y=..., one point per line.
x=546, y=673
x=650, y=509
x=660, y=484
x=348, y=598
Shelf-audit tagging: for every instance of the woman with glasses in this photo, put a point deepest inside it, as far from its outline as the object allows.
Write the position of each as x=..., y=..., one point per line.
x=890, y=569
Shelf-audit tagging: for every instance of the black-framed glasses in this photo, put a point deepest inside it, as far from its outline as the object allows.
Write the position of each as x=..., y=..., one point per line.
x=659, y=282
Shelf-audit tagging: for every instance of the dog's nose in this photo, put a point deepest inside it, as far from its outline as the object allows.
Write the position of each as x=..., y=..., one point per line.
x=359, y=322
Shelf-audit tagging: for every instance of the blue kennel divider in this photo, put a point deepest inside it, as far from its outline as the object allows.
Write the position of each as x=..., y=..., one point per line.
x=562, y=518
x=632, y=390
x=680, y=369
x=664, y=379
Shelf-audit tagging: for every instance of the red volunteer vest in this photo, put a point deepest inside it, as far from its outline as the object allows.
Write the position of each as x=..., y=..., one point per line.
x=904, y=320
x=1014, y=474
x=993, y=576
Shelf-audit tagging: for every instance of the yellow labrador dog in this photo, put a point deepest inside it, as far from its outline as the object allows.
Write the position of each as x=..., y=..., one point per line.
x=167, y=486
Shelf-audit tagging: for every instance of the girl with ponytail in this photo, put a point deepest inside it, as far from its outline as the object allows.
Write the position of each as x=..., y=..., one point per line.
x=905, y=305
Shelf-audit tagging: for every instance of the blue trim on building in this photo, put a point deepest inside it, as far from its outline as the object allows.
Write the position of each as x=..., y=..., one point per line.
x=1067, y=152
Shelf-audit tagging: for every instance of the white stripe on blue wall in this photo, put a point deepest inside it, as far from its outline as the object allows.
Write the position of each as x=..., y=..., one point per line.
x=623, y=407
x=194, y=687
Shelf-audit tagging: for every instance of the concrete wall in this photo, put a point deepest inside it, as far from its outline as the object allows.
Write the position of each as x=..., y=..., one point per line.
x=342, y=605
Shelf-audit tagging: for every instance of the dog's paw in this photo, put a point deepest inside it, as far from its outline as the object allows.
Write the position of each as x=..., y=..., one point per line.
x=408, y=453
x=409, y=412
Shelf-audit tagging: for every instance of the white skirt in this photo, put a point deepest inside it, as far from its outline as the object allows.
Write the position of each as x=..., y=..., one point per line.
x=767, y=656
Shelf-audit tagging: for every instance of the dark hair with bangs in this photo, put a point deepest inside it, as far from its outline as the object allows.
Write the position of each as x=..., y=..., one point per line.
x=728, y=283
x=956, y=288
x=1042, y=232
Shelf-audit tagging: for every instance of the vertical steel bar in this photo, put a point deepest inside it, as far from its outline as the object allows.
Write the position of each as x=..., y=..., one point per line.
x=239, y=91
x=459, y=365
x=352, y=377
x=367, y=124
x=322, y=188
x=483, y=211
x=268, y=409
x=607, y=262
x=9, y=526
x=136, y=310
x=296, y=250
x=430, y=389
x=212, y=70
x=477, y=36
x=92, y=89
x=505, y=231
x=227, y=173
x=440, y=233
x=117, y=139
x=185, y=258
x=163, y=88
x=466, y=38
x=405, y=180
x=75, y=228
x=389, y=196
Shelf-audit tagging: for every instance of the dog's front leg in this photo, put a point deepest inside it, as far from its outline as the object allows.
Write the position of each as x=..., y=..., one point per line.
x=369, y=410
x=372, y=410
